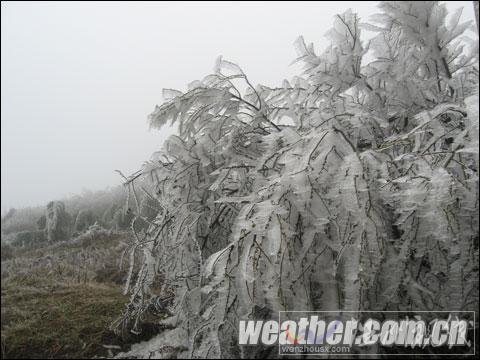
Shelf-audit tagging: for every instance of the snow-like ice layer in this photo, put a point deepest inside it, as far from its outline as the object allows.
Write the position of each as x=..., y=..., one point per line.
x=163, y=346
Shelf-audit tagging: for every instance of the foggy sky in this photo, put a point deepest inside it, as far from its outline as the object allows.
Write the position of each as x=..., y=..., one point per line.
x=79, y=79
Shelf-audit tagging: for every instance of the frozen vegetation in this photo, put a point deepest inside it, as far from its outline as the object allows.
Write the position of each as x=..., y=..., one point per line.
x=351, y=186
x=367, y=199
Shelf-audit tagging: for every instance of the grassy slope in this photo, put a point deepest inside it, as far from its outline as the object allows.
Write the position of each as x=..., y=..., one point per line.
x=58, y=321
x=51, y=314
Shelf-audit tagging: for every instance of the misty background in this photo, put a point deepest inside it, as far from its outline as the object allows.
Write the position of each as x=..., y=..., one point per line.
x=79, y=79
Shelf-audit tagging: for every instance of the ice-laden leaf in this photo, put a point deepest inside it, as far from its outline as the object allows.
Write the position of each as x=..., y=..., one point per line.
x=222, y=65
x=471, y=140
x=169, y=94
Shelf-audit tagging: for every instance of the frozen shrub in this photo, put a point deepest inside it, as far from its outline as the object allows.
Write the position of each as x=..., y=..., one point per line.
x=368, y=200
x=58, y=222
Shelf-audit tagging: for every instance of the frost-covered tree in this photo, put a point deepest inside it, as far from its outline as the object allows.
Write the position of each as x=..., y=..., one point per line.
x=368, y=199
x=58, y=224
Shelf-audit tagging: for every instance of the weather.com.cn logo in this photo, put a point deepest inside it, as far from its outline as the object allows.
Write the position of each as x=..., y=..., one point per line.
x=364, y=333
